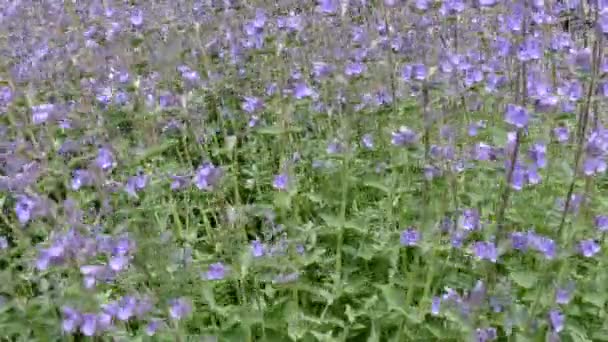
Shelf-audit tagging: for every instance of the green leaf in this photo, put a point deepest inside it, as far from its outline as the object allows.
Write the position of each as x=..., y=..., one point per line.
x=332, y=220
x=597, y=299
x=600, y=335
x=282, y=200
x=373, y=334
x=394, y=297
x=377, y=185
x=524, y=279
x=276, y=130
x=577, y=333
x=437, y=330
x=229, y=143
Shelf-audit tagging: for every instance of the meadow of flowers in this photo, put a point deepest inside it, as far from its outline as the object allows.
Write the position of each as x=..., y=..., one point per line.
x=339, y=170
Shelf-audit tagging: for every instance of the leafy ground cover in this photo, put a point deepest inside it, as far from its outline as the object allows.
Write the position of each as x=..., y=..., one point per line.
x=275, y=171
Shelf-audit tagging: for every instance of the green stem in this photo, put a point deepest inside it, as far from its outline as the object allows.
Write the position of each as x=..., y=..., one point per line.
x=340, y=240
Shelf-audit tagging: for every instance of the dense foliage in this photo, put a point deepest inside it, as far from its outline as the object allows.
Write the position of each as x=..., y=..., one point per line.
x=346, y=170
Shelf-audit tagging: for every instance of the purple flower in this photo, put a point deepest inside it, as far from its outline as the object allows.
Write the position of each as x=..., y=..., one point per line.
x=457, y=238
x=474, y=128
x=153, y=327
x=24, y=208
x=179, y=308
x=41, y=113
x=485, y=250
x=473, y=76
x=484, y=335
x=105, y=159
x=470, y=219
x=207, y=176
x=516, y=116
x=594, y=165
x=431, y=172
x=542, y=244
x=601, y=223
x=404, y=136
x=519, y=241
x=191, y=76
x=137, y=17
x=302, y=90
x=126, y=308
x=328, y=6
x=367, y=141
x=537, y=154
x=179, y=182
x=119, y=262
x=589, y=248
x=71, y=319
x=496, y=304
x=104, y=321
x=563, y=295
x=335, y=147
x=354, y=69
x=82, y=178
x=216, y=271
x=257, y=249
x=561, y=134
x=3, y=242
x=603, y=21
x=530, y=49
x=557, y=320
x=484, y=152
x=88, y=327
x=321, y=70
x=91, y=273
x=414, y=71
x=281, y=181
x=252, y=104
x=478, y=294
x=410, y=237
x=582, y=59
x=435, y=306
x=495, y=82
x=135, y=184
x=488, y=3
x=121, y=98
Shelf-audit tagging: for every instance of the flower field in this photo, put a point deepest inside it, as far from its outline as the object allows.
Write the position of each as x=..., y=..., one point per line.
x=333, y=170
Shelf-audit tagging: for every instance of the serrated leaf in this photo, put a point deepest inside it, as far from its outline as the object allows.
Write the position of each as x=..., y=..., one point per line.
x=329, y=298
